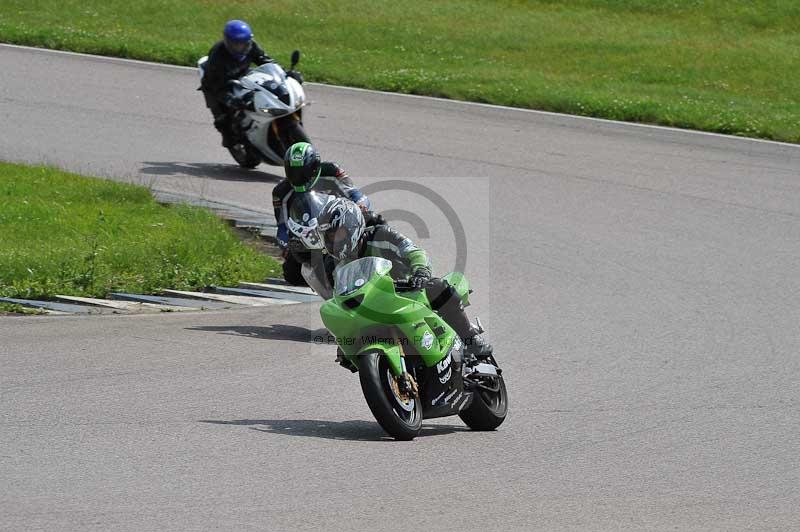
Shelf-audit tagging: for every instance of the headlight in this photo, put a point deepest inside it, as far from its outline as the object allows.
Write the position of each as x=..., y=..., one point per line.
x=275, y=112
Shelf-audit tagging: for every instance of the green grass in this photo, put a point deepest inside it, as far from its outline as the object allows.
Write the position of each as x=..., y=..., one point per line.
x=61, y=233
x=729, y=66
x=13, y=308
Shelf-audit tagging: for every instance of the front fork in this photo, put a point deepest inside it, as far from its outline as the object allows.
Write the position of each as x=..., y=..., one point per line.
x=397, y=363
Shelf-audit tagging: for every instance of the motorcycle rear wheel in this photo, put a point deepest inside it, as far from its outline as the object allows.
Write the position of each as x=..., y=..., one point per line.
x=488, y=409
x=400, y=419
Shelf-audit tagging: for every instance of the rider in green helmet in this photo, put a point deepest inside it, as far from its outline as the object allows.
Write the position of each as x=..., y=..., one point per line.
x=305, y=171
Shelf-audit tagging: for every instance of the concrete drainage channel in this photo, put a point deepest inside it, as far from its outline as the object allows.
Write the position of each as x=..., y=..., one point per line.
x=274, y=292
x=271, y=292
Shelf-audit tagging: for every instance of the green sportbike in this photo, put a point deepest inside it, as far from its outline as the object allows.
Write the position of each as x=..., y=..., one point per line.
x=411, y=364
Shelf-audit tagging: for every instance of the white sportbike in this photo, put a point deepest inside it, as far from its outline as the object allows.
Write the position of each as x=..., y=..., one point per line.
x=272, y=120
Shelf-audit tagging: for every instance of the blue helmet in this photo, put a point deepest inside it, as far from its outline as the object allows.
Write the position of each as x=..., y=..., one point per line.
x=238, y=38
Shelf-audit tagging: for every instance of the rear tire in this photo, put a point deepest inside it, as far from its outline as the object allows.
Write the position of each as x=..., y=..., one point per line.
x=401, y=420
x=247, y=158
x=488, y=409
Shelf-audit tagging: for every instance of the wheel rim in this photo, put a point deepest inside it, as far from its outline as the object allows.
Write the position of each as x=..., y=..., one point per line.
x=404, y=401
x=404, y=409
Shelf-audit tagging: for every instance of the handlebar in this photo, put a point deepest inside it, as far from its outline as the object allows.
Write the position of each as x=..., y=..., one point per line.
x=404, y=285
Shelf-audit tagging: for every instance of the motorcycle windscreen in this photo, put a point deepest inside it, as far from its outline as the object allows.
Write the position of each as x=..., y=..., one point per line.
x=353, y=275
x=272, y=69
x=271, y=78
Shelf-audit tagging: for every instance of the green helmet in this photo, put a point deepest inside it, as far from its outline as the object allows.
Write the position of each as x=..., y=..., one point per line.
x=302, y=165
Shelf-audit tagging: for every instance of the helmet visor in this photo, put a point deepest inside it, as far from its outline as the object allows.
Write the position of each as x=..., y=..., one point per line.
x=238, y=48
x=309, y=183
x=337, y=242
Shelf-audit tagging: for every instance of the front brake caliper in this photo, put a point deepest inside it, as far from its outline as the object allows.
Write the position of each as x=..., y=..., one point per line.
x=407, y=385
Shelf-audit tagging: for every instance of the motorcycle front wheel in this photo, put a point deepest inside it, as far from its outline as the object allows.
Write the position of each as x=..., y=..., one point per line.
x=292, y=132
x=399, y=414
x=245, y=155
x=286, y=131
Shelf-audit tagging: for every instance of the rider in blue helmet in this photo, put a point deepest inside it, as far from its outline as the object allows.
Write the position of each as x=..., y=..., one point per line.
x=229, y=59
x=238, y=39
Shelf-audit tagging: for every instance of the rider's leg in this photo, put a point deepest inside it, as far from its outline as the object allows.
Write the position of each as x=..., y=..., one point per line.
x=445, y=301
x=292, y=271
x=222, y=120
x=225, y=127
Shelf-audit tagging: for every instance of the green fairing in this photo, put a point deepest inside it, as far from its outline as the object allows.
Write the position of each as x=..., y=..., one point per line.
x=459, y=282
x=387, y=321
x=392, y=353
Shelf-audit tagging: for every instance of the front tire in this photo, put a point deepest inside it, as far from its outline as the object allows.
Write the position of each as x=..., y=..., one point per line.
x=247, y=157
x=488, y=409
x=401, y=419
x=284, y=132
x=291, y=132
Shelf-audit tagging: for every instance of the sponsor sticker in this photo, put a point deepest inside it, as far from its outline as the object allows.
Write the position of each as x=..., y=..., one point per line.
x=444, y=369
x=427, y=340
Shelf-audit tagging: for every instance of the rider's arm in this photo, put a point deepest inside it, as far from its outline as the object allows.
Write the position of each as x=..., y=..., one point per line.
x=258, y=56
x=342, y=183
x=214, y=81
x=280, y=205
x=412, y=255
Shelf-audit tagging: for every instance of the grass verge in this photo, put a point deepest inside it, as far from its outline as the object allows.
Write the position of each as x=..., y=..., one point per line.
x=728, y=66
x=12, y=309
x=63, y=233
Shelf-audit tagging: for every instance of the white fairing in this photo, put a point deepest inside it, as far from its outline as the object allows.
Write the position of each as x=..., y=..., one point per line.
x=308, y=234
x=262, y=83
x=201, y=65
x=302, y=219
x=302, y=225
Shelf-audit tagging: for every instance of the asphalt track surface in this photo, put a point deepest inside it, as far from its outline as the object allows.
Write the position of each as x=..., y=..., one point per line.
x=641, y=286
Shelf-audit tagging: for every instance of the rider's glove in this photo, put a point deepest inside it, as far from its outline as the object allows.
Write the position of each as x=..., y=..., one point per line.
x=363, y=202
x=235, y=103
x=419, y=278
x=296, y=75
x=373, y=218
x=282, y=236
x=230, y=101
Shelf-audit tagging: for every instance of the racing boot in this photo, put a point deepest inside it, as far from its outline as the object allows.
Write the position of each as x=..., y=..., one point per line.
x=477, y=346
x=451, y=309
